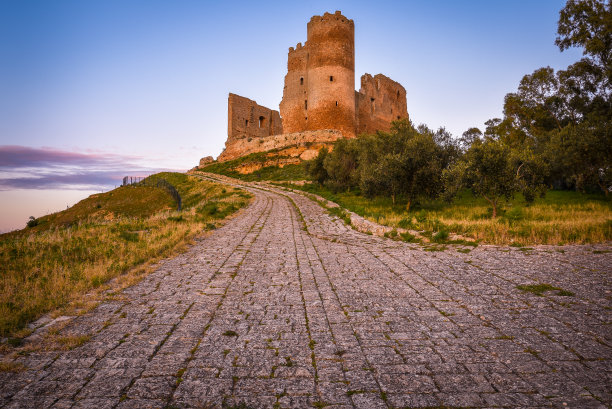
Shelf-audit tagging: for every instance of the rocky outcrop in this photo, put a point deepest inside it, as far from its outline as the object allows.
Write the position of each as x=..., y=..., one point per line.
x=303, y=145
x=206, y=160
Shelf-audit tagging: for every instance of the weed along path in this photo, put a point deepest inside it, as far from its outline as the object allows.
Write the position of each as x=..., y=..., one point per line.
x=286, y=306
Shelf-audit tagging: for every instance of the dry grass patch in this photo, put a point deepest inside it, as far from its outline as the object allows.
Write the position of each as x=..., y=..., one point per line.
x=562, y=217
x=10, y=366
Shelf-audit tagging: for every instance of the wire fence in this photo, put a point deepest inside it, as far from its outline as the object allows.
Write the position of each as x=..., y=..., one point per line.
x=151, y=181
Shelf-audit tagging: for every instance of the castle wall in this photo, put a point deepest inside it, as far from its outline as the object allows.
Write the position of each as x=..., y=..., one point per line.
x=247, y=119
x=379, y=102
x=319, y=94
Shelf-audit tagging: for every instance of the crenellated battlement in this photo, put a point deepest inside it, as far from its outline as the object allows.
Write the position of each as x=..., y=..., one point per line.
x=330, y=27
x=297, y=47
x=328, y=17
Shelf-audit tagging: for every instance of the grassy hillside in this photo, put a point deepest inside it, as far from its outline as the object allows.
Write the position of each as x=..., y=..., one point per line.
x=69, y=253
x=561, y=217
x=275, y=173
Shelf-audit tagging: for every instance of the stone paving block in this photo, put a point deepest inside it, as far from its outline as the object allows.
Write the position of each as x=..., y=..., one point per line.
x=104, y=387
x=97, y=403
x=368, y=401
x=142, y=404
x=407, y=383
x=153, y=387
x=463, y=383
x=195, y=392
x=63, y=403
x=413, y=400
x=31, y=401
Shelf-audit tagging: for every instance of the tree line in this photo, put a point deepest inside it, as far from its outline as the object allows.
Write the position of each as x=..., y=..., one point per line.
x=556, y=132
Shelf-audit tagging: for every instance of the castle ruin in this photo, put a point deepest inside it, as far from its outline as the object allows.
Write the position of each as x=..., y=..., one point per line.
x=319, y=101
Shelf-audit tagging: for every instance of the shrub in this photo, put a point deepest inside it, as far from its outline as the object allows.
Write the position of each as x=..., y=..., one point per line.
x=129, y=236
x=405, y=223
x=410, y=238
x=514, y=215
x=33, y=221
x=440, y=236
x=209, y=209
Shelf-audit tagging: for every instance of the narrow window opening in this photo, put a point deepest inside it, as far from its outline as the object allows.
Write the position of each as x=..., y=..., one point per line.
x=302, y=81
x=262, y=121
x=307, y=118
x=398, y=117
x=336, y=103
x=331, y=77
x=246, y=122
x=372, y=102
x=398, y=94
x=306, y=104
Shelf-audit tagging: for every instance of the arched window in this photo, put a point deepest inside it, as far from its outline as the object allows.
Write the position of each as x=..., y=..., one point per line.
x=262, y=121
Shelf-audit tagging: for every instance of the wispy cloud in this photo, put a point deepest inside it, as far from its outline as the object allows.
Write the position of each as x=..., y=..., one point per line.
x=23, y=167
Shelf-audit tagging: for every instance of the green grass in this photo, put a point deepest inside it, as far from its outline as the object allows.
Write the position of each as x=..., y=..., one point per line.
x=70, y=253
x=340, y=213
x=562, y=217
x=256, y=160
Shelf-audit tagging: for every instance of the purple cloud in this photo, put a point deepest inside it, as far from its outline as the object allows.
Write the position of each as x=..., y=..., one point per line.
x=23, y=167
x=13, y=156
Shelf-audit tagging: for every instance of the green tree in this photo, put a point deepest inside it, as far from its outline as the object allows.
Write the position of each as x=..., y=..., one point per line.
x=586, y=154
x=489, y=173
x=563, y=118
x=588, y=24
x=532, y=171
x=342, y=164
x=385, y=176
x=491, y=169
x=315, y=168
x=406, y=162
x=584, y=146
x=469, y=137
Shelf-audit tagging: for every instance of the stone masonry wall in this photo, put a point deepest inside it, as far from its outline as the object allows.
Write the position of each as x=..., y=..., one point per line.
x=247, y=119
x=379, y=101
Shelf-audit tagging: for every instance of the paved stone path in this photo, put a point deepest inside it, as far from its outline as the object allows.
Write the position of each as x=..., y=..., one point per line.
x=268, y=314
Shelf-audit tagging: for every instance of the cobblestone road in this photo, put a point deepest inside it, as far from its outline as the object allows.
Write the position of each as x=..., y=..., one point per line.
x=269, y=314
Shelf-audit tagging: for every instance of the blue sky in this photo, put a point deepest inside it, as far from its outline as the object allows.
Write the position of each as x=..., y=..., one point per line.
x=147, y=81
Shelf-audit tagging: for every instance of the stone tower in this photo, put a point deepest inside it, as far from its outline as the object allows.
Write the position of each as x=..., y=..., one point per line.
x=319, y=90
